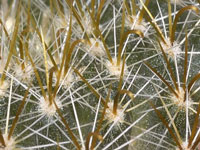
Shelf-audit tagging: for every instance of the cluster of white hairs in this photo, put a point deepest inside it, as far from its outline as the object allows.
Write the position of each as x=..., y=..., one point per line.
x=99, y=74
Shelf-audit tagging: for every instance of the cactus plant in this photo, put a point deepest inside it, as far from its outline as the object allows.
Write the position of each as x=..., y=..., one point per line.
x=96, y=74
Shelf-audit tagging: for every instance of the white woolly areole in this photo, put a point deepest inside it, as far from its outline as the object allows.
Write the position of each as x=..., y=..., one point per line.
x=46, y=109
x=24, y=75
x=171, y=49
x=2, y=64
x=67, y=80
x=10, y=24
x=10, y=144
x=87, y=23
x=114, y=69
x=131, y=20
x=35, y=47
x=3, y=88
x=118, y=118
x=95, y=47
x=180, y=101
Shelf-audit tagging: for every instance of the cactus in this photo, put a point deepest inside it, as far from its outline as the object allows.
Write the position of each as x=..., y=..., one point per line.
x=96, y=74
